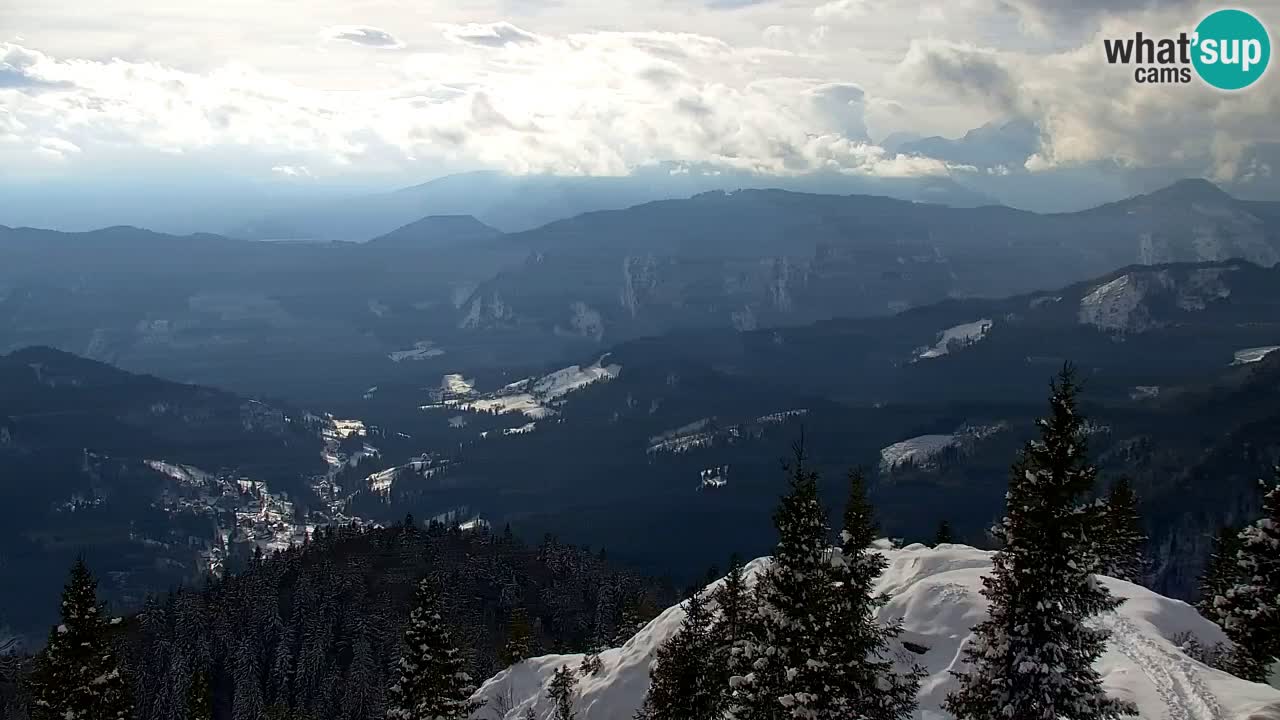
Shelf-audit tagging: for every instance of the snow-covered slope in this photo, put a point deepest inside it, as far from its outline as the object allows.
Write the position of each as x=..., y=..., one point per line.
x=958, y=336
x=535, y=398
x=936, y=592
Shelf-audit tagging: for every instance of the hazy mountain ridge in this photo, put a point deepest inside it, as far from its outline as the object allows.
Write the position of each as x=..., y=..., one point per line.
x=517, y=203
x=451, y=292
x=793, y=258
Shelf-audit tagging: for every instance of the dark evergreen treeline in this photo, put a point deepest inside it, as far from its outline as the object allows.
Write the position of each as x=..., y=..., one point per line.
x=315, y=631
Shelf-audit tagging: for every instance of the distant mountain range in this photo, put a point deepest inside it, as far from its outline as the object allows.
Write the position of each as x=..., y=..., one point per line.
x=162, y=481
x=517, y=203
x=314, y=321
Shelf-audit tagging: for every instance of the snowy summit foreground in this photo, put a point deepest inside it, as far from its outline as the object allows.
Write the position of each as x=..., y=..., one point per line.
x=937, y=593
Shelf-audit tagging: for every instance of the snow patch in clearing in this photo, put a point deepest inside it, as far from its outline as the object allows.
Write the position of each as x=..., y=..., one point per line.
x=704, y=432
x=421, y=350
x=522, y=430
x=423, y=466
x=917, y=449
x=957, y=336
x=185, y=474
x=1144, y=392
x=937, y=594
x=715, y=477
x=566, y=380
x=1252, y=355
x=686, y=429
x=346, y=428
x=455, y=384
x=922, y=448
x=535, y=399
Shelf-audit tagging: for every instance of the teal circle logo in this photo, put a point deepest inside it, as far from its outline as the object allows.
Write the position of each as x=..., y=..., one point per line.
x=1232, y=49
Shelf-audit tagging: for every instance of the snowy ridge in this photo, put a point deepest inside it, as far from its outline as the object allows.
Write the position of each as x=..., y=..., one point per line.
x=936, y=593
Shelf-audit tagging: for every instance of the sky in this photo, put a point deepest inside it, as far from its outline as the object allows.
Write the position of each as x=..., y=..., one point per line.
x=305, y=94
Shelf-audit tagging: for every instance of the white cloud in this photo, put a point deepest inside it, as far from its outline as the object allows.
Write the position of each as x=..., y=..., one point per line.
x=602, y=87
x=840, y=10
x=55, y=148
x=291, y=170
x=494, y=35
x=363, y=35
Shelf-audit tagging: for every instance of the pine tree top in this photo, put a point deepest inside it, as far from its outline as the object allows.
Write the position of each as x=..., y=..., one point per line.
x=860, y=528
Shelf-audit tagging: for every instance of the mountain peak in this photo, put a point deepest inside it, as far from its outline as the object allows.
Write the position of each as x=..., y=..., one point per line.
x=436, y=231
x=1190, y=190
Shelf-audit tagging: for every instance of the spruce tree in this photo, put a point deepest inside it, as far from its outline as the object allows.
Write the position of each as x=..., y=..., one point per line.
x=870, y=687
x=786, y=666
x=1122, y=545
x=734, y=601
x=686, y=682
x=562, y=689
x=944, y=534
x=77, y=676
x=431, y=683
x=1033, y=658
x=1250, y=610
x=1221, y=573
x=519, y=642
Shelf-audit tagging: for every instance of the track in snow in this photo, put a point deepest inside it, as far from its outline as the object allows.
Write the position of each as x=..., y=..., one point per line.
x=1173, y=675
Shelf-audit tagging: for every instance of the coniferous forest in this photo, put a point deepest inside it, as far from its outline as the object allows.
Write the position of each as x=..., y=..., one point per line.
x=403, y=622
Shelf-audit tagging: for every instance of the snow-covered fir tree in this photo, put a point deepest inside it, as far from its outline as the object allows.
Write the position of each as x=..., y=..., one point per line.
x=431, y=683
x=77, y=676
x=1033, y=658
x=1220, y=574
x=519, y=645
x=591, y=664
x=810, y=649
x=869, y=688
x=686, y=679
x=734, y=602
x=563, y=687
x=1250, y=610
x=783, y=667
x=1122, y=542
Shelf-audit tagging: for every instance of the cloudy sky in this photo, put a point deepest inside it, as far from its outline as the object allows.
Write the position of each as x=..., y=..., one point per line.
x=323, y=91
